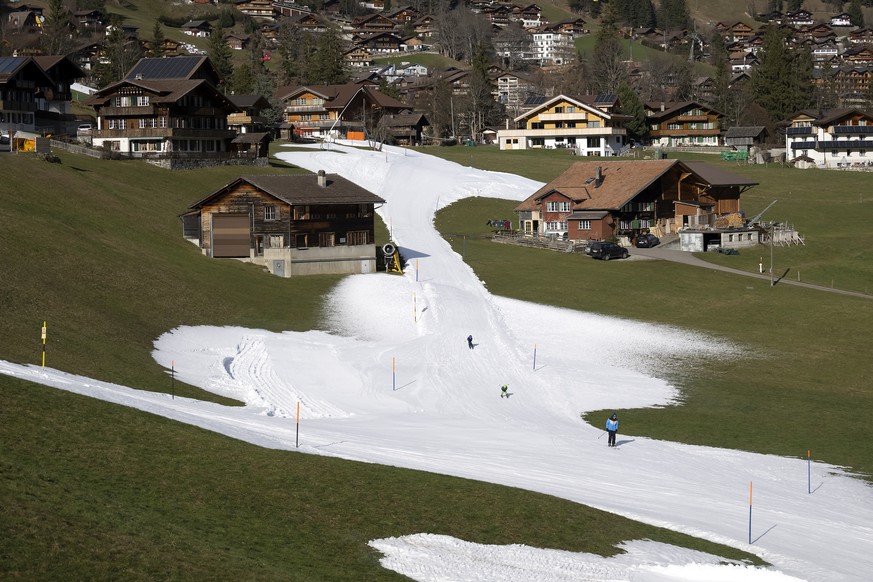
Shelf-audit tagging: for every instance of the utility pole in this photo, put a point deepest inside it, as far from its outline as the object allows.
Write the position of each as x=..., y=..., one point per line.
x=772, y=269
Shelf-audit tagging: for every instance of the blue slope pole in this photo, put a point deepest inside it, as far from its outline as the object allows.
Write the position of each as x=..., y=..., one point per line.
x=750, y=512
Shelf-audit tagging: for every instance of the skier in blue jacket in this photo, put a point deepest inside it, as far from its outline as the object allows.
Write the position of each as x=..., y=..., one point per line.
x=612, y=428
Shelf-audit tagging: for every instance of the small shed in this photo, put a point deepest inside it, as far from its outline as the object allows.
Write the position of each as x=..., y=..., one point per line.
x=256, y=145
x=745, y=137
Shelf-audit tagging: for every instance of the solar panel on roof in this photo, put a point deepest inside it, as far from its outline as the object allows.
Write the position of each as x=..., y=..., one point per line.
x=164, y=68
x=607, y=98
x=9, y=64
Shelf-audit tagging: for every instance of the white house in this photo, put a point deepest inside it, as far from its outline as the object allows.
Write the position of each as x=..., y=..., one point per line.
x=565, y=122
x=839, y=138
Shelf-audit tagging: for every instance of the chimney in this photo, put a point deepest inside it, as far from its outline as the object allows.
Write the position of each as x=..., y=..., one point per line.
x=598, y=177
x=662, y=106
x=322, y=179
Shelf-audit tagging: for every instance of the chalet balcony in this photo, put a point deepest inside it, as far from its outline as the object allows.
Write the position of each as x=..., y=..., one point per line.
x=291, y=109
x=854, y=144
x=10, y=105
x=703, y=118
x=165, y=132
x=146, y=111
x=563, y=132
x=851, y=130
x=799, y=131
x=322, y=123
x=577, y=116
x=684, y=132
x=244, y=119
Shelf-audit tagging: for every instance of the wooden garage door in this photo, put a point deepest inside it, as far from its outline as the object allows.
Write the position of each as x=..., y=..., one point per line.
x=230, y=235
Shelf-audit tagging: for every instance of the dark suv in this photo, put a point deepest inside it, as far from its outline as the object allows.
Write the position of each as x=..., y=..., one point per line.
x=606, y=250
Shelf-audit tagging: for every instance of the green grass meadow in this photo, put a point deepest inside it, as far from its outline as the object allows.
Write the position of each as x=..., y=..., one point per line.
x=97, y=491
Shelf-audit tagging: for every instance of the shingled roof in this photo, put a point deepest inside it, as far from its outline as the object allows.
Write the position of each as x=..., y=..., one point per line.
x=622, y=181
x=298, y=189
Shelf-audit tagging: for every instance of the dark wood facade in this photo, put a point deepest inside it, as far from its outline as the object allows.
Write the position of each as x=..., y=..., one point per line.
x=308, y=223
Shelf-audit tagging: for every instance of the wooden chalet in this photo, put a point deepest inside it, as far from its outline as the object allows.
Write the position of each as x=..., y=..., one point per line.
x=861, y=36
x=352, y=110
x=403, y=16
x=249, y=117
x=380, y=42
x=744, y=137
x=373, y=23
x=607, y=199
x=358, y=57
x=198, y=28
x=302, y=224
x=735, y=31
x=405, y=128
x=22, y=82
x=683, y=123
x=261, y=9
x=164, y=106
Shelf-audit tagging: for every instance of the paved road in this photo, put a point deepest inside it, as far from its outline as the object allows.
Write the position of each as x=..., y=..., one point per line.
x=671, y=252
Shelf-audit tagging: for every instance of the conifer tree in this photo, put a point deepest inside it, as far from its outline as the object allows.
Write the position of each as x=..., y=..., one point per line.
x=856, y=15
x=220, y=54
x=326, y=66
x=157, y=46
x=782, y=81
x=631, y=104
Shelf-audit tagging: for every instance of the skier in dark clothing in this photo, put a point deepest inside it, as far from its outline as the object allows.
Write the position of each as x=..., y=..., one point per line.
x=470, y=341
x=504, y=391
x=612, y=428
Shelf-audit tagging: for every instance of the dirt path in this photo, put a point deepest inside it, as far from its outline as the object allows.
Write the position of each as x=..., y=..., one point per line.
x=670, y=252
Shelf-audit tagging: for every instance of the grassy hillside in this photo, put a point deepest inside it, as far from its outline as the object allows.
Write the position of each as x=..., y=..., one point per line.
x=93, y=490
x=96, y=250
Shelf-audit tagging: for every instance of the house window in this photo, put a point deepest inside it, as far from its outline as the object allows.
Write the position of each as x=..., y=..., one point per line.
x=558, y=206
x=276, y=241
x=326, y=239
x=358, y=237
x=593, y=142
x=142, y=101
x=594, y=124
x=584, y=225
x=270, y=212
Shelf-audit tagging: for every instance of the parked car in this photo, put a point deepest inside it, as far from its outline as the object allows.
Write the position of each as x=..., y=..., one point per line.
x=84, y=129
x=606, y=250
x=647, y=241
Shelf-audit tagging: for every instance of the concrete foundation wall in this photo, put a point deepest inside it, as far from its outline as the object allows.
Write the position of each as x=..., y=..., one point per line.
x=340, y=260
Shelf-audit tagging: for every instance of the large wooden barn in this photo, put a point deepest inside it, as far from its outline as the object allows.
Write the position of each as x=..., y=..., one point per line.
x=291, y=224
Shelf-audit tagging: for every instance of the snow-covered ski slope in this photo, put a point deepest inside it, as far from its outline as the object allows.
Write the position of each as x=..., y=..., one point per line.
x=400, y=387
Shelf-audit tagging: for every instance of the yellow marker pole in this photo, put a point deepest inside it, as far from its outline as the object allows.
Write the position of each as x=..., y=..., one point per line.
x=43, y=343
x=297, y=442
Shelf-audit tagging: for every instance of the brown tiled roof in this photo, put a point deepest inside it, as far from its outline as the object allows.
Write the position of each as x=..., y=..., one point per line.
x=622, y=181
x=338, y=96
x=167, y=91
x=303, y=189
